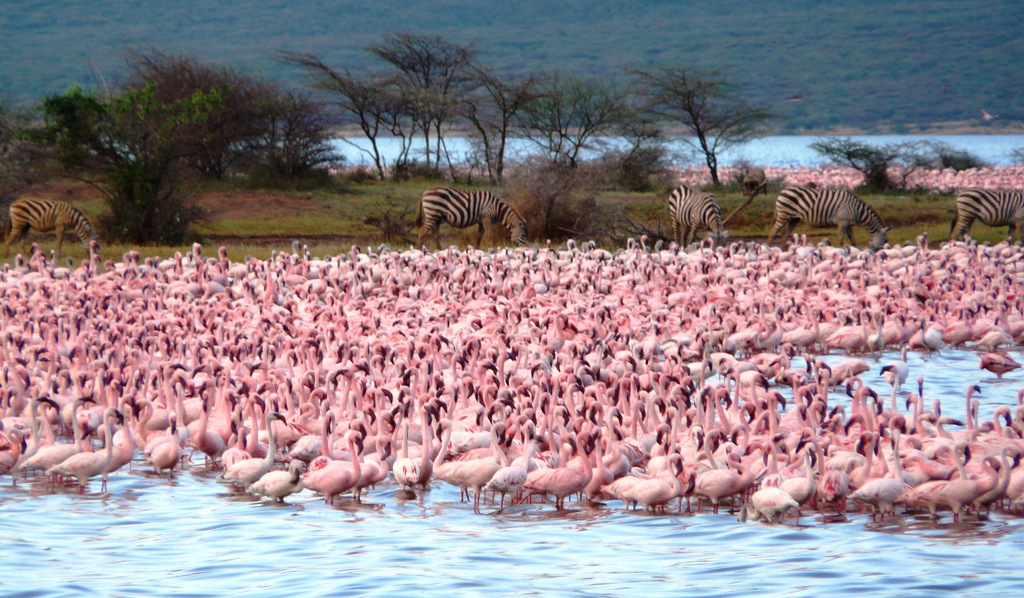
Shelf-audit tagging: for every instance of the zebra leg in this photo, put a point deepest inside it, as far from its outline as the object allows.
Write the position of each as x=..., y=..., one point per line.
x=480, y=233
x=60, y=239
x=11, y=236
x=776, y=227
x=14, y=236
x=961, y=227
x=675, y=232
x=846, y=231
x=790, y=225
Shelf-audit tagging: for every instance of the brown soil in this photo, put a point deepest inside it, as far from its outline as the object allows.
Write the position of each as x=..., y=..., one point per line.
x=217, y=205
x=229, y=205
x=271, y=240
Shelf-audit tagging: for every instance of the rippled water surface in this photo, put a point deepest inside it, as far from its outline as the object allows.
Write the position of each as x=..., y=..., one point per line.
x=193, y=536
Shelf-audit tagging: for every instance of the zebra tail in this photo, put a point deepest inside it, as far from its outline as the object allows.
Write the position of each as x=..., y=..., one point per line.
x=956, y=217
x=7, y=227
x=419, y=215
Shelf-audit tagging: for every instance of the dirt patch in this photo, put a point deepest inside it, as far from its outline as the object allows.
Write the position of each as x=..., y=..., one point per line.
x=230, y=205
x=217, y=205
x=271, y=240
x=72, y=192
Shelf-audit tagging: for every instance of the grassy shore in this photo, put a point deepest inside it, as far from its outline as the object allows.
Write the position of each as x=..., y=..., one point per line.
x=258, y=221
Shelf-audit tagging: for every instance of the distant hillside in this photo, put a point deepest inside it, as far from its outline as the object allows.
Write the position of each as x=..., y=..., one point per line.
x=869, y=64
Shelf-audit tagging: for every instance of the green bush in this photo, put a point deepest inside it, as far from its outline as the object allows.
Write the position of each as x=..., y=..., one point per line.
x=132, y=145
x=947, y=156
x=262, y=176
x=642, y=170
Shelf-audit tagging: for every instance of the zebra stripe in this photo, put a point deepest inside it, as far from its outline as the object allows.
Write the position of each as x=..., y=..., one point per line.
x=691, y=211
x=46, y=215
x=466, y=208
x=824, y=208
x=994, y=208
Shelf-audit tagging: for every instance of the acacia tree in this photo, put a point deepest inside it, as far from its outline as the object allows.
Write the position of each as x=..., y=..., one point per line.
x=132, y=146
x=568, y=114
x=15, y=162
x=294, y=134
x=492, y=108
x=433, y=75
x=223, y=135
x=873, y=161
x=373, y=101
x=642, y=160
x=704, y=104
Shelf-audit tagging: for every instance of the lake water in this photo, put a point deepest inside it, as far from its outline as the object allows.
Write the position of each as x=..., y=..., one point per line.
x=767, y=151
x=194, y=537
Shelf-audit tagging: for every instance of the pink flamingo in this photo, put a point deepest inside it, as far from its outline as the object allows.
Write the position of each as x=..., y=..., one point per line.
x=410, y=472
x=165, y=451
x=278, y=485
x=998, y=364
x=716, y=484
x=655, y=492
x=332, y=477
x=801, y=488
x=511, y=478
x=373, y=469
x=54, y=454
x=768, y=503
x=562, y=481
x=247, y=471
x=473, y=473
x=83, y=466
x=122, y=454
x=952, y=494
x=10, y=452
x=882, y=493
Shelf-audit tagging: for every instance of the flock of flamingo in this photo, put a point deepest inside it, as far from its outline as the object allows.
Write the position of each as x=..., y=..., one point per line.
x=933, y=180
x=652, y=377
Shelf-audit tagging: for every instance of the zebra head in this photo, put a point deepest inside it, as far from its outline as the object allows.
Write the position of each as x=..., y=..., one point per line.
x=518, y=232
x=718, y=237
x=880, y=239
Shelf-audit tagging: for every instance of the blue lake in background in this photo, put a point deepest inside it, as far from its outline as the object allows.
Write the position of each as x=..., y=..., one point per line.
x=996, y=150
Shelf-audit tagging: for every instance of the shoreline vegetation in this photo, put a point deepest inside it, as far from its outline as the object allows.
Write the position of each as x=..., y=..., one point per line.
x=962, y=127
x=352, y=210
x=182, y=151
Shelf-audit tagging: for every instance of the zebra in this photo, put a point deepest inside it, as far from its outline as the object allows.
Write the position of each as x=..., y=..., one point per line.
x=466, y=208
x=692, y=210
x=822, y=208
x=994, y=208
x=755, y=182
x=45, y=215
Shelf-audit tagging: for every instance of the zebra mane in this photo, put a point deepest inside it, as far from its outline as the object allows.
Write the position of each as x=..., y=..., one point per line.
x=515, y=211
x=871, y=211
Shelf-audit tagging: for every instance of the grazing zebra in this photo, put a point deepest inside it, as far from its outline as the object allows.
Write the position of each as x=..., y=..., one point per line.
x=994, y=208
x=755, y=182
x=691, y=211
x=466, y=208
x=45, y=215
x=822, y=208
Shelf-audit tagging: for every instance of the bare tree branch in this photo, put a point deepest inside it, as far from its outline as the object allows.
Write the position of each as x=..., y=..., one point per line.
x=704, y=104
